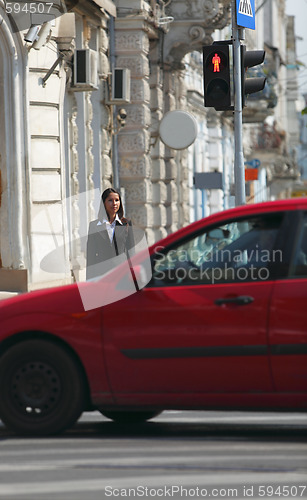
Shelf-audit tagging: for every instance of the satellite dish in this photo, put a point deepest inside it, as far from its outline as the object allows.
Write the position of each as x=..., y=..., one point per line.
x=178, y=129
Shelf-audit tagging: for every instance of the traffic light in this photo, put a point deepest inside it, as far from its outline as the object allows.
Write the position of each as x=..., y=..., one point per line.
x=217, y=77
x=249, y=59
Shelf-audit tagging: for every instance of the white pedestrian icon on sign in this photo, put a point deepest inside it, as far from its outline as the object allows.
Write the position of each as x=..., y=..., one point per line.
x=245, y=8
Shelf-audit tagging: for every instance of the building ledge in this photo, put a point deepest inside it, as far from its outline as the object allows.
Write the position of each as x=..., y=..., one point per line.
x=106, y=5
x=13, y=280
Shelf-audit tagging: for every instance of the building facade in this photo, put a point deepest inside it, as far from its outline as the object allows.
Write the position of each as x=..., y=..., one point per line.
x=62, y=139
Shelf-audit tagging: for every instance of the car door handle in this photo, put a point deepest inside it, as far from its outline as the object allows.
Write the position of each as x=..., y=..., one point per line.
x=241, y=300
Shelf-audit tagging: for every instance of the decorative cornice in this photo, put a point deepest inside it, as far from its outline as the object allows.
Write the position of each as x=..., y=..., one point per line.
x=194, y=22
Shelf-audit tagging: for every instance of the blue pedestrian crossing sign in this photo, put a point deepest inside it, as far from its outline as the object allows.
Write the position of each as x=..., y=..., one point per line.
x=246, y=13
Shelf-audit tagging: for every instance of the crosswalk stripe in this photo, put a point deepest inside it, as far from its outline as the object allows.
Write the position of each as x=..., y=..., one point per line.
x=8, y=451
x=40, y=488
x=153, y=461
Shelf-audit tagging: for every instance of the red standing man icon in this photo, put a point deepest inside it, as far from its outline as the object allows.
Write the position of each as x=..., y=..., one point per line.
x=216, y=61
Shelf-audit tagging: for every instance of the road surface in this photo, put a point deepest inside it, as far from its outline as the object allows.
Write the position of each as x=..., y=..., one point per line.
x=177, y=455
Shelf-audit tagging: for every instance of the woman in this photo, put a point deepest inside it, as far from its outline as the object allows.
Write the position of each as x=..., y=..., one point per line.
x=109, y=236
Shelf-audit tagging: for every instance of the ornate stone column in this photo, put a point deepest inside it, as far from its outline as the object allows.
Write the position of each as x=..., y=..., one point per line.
x=182, y=157
x=132, y=46
x=14, y=250
x=157, y=151
x=155, y=177
x=105, y=114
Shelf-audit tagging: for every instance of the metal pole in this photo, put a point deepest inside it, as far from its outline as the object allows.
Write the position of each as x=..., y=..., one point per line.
x=238, y=157
x=59, y=59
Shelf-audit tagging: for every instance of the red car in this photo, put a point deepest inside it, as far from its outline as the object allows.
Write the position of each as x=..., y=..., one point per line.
x=220, y=324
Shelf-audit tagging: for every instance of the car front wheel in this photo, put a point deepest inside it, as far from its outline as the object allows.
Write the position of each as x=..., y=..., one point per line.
x=42, y=389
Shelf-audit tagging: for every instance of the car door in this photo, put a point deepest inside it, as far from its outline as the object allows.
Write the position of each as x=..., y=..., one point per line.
x=288, y=316
x=200, y=325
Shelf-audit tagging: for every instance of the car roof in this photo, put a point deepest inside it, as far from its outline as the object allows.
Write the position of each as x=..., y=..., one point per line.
x=240, y=211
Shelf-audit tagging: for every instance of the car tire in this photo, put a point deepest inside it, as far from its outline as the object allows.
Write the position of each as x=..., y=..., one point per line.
x=42, y=389
x=130, y=417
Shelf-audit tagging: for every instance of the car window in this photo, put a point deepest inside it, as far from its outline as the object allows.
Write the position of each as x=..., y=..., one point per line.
x=237, y=250
x=299, y=265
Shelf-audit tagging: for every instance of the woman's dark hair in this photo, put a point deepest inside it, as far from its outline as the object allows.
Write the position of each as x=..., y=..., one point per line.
x=102, y=211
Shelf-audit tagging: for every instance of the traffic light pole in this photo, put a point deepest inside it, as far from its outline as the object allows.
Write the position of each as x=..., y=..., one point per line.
x=239, y=169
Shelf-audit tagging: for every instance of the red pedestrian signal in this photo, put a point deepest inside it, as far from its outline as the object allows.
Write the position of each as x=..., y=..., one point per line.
x=217, y=77
x=216, y=61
